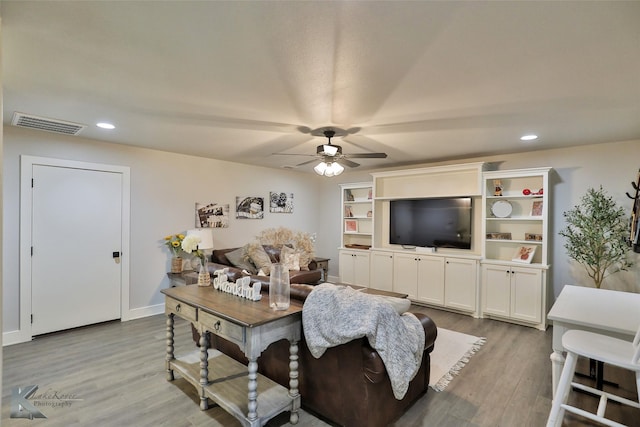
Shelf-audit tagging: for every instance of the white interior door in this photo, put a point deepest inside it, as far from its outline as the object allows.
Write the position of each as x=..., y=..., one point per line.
x=76, y=228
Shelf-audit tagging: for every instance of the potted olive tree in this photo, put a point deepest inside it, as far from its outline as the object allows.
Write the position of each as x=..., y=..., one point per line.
x=596, y=234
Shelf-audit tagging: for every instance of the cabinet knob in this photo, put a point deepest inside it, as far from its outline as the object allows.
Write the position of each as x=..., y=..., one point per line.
x=178, y=308
x=216, y=326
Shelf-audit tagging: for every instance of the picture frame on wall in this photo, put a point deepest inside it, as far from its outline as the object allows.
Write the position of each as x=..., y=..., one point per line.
x=212, y=215
x=280, y=202
x=249, y=207
x=350, y=226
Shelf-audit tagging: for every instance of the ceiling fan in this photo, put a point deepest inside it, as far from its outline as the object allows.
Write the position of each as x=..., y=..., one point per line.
x=331, y=156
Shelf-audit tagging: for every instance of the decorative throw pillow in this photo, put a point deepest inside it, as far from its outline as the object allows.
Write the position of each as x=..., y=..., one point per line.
x=290, y=258
x=240, y=259
x=305, y=259
x=260, y=258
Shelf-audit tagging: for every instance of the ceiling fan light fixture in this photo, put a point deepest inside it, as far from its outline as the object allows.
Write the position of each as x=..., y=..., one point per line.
x=320, y=168
x=328, y=169
x=330, y=150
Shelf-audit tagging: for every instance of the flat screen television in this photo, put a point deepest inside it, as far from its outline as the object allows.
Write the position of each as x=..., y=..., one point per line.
x=442, y=223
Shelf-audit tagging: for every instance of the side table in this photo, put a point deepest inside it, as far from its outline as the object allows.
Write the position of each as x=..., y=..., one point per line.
x=323, y=264
x=252, y=399
x=179, y=279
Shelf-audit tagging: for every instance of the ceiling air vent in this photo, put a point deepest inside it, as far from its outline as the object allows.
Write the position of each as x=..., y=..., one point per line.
x=42, y=123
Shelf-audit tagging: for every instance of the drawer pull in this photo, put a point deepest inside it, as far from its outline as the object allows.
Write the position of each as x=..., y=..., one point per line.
x=216, y=326
x=178, y=308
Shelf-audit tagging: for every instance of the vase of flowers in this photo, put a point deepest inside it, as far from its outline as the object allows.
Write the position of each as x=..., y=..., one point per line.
x=174, y=243
x=190, y=246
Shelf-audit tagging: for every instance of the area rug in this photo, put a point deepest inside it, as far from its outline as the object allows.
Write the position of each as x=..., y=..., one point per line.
x=451, y=353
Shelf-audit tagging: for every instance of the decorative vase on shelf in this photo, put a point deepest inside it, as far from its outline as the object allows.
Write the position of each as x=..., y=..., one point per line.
x=279, y=287
x=176, y=264
x=204, y=279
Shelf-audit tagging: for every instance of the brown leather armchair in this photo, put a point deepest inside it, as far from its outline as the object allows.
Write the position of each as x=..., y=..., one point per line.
x=348, y=385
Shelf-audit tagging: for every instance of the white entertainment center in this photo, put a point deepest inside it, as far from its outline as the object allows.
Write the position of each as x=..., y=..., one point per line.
x=509, y=214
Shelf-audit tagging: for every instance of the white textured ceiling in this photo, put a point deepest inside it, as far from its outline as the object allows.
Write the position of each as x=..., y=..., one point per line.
x=421, y=81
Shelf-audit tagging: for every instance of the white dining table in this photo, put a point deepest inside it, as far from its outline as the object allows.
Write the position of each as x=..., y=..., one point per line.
x=612, y=313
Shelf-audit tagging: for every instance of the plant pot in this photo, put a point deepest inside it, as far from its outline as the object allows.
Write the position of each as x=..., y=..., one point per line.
x=176, y=264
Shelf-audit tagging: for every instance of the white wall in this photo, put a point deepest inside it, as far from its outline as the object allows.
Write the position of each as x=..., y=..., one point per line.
x=165, y=187
x=164, y=190
x=612, y=165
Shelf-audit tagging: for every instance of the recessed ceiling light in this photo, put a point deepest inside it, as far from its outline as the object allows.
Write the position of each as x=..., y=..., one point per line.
x=104, y=125
x=530, y=137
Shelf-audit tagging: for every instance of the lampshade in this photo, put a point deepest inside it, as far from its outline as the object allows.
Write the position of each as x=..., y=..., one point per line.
x=329, y=168
x=320, y=168
x=206, y=237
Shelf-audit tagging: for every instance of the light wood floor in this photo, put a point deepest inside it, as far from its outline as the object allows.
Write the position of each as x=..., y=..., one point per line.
x=117, y=370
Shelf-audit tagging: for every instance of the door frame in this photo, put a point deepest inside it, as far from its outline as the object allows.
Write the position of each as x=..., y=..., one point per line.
x=26, y=214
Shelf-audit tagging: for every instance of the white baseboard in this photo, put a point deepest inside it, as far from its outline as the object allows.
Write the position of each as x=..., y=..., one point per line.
x=139, y=313
x=333, y=279
x=20, y=336
x=14, y=337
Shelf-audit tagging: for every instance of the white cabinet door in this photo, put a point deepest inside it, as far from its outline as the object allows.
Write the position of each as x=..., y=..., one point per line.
x=405, y=274
x=496, y=290
x=347, y=273
x=460, y=283
x=354, y=267
x=381, y=276
x=361, y=268
x=526, y=294
x=431, y=280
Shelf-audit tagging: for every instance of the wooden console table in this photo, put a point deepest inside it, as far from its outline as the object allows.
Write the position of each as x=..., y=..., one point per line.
x=252, y=325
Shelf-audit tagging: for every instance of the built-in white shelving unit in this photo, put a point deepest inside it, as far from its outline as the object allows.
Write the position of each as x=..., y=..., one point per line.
x=515, y=250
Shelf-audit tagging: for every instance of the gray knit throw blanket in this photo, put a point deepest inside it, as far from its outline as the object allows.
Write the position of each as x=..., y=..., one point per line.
x=334, y=315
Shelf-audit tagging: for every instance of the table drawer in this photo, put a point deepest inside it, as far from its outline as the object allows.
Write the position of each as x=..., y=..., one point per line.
x=223, y=328
x=181, y=309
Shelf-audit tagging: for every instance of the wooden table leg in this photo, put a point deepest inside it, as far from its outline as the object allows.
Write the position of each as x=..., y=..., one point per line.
x=253, y=390
x=170, y=355
x=204, y=368
x=293, y=382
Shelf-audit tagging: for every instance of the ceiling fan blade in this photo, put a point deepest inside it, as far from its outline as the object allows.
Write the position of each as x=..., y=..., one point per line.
x=307, y=162
x=367, y=155
x=293, y=154
x=348, y=162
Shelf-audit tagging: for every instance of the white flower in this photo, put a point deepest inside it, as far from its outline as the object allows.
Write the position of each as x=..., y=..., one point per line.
x=190, y=243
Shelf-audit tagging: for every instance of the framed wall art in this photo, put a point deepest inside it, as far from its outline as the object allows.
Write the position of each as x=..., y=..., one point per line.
x=212, y=215
x=249, y=207
x=280, y=202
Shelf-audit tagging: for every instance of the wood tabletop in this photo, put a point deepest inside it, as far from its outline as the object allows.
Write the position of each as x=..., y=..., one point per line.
x=231, y=307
